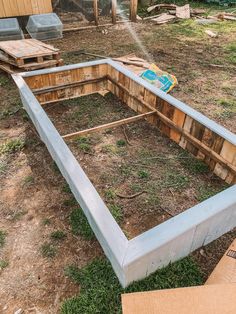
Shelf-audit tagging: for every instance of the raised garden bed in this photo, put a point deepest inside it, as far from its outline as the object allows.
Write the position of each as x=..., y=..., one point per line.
x=178, y=236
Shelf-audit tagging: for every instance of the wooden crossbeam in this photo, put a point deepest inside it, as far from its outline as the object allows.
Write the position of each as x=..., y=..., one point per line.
x=109, y=125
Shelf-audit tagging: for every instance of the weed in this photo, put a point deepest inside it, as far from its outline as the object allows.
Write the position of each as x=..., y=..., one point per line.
x=80, y=225
x=28, y=180
x=58, y=235
x=70, y=202
x=231, y=51
x=121, y=143
x=55, y=167
x=66, y=188
x=110, y=194
x=84, y=144
x=109, y=149
x=3, y=264
x=136, y=187
x=116, y=212
x=101, y=291
x=206, y=192
x=12, y=146
x=2, y=238
x=3, y=166
x=142, y=174
x=46, y=221
x=125, y=170
x=48, y=250
x=4, y=80
x=175, y=180
x=193, y=165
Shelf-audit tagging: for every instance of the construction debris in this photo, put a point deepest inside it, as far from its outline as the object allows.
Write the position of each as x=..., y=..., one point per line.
x=27, y=54
x=210, y=33
x=183, y=12
x=161, y=6
x=163, y=18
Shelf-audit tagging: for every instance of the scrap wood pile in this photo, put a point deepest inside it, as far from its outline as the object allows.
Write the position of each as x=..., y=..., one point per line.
x=171, y=13
x=26, y=55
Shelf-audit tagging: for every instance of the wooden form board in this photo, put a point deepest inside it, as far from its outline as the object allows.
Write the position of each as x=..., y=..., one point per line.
x=190, y=133
x=10, y=8
x=214, y=299
x=175, y=238
x=225, y=271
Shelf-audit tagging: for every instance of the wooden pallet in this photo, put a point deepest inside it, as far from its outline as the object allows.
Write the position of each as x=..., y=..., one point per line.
x=29, y=54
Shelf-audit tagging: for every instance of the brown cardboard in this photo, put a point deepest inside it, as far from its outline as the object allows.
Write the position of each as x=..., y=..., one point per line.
x=225, y=271
x=208, y=299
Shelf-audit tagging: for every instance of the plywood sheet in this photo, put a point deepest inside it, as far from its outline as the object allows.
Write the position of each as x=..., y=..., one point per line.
x=10, y=8
x=212, y=299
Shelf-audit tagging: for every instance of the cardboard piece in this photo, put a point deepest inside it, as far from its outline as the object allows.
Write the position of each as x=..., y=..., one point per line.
x=211, y=299
x=225, y=271
x=183, y=12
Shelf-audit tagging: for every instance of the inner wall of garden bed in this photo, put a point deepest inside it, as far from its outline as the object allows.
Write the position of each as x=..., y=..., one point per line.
x=143, y=176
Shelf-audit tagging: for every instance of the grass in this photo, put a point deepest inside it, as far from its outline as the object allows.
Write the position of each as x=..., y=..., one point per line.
x=100, y=290
x=58, y=235
x=3, y=264
x=28, y=180
x=70, y=202
x=2, y=238
x=84, y=144
x=231, y=52
x=227, y=108
x=175, y=180
x=142, y=174
x=48, y=250
x=116, y=212
x=46, y=222
x=121, y=143
x=193, y=165
x=4, y=81
x=206, y=192
x=79, y=224
x=12, y=146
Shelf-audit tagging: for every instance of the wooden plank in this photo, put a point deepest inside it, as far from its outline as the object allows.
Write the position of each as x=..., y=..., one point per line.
x=109, y=125
x=133, y=10
x=10, y=8
x=225, y=271
x=113, y=10
x=210, y=299
x=95, y=11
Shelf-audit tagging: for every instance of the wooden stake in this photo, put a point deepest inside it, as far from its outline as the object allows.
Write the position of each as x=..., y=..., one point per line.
x=133, y=10
x=113, y=11
x=95, y=11
x=108, y=125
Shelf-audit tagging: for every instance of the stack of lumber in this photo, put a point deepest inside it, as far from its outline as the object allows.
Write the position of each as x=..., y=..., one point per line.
x=26, y=55
x=217, y=296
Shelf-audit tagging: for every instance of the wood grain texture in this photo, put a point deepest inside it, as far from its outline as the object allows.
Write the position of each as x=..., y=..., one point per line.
x=10, y=8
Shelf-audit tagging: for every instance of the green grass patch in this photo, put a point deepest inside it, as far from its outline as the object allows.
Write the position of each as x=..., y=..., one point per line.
x=12, y=146
x=4, y=80
x=116, y=212
x=70, y=202
x=28, y=180
x=231, y=52
x=46, y=222
x=80, y=225
x=2, y=238
x=121, y=143
x=206, y=192
x=110, y=194
x=3, y=264
x=175, y=180
x=58, y=235
x=143, y=174
x=101, y=292
x=66, y=188
x=193, y=165
x=48, y=250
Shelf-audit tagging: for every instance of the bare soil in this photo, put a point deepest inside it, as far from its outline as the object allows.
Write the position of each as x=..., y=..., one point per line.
x=31, y=191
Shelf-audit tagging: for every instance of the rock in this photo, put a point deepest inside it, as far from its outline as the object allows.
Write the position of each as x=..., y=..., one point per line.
x=210, y=33
x=20, y=311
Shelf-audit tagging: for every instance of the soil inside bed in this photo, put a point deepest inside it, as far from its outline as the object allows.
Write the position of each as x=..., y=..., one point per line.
x=143, y=177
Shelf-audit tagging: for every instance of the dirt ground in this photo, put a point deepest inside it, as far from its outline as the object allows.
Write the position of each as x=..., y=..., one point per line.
x=33, y=201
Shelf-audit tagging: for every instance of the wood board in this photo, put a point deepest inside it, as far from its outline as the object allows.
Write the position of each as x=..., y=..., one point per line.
x=212, y=299
x=29, y=54
x=9, y=8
